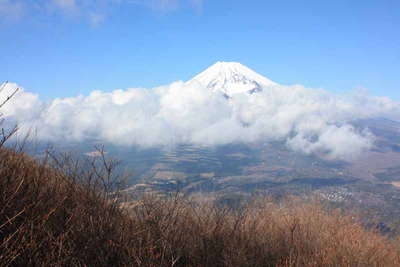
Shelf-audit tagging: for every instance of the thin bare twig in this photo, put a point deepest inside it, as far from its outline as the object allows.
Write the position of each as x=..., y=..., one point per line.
x=8, y=97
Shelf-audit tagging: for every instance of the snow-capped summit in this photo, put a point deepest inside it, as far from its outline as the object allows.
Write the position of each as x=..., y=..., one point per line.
x=231, y=78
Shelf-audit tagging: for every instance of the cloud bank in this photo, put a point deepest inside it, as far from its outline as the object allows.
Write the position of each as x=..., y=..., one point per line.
x=308, y=120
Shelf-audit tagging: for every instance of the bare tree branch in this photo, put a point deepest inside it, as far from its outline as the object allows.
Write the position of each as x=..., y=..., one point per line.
x=5, y=135
x=8, y=97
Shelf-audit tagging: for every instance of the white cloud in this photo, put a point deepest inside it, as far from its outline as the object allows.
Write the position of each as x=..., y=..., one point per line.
x=308, y=120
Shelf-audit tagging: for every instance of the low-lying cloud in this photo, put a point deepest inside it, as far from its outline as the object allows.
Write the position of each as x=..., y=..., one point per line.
x=308, y=120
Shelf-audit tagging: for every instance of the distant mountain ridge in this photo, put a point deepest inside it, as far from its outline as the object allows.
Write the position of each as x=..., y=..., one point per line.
x=231, y=78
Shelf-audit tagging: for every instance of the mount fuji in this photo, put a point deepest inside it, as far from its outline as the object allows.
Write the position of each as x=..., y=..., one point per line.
x=231, y=78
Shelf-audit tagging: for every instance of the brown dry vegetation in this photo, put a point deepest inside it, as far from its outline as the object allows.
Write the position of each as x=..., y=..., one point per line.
x=61, y=216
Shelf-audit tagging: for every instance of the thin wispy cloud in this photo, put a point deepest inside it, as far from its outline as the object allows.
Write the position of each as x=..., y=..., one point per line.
x=65, y=4
x=93, y=11
x=11, y=10
x=168, y=5
x=96, y=18
x=197, y=4
x=158, y=5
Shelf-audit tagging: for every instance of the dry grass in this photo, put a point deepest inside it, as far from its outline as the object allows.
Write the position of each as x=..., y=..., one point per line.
x=63, y=216
x=265, y=233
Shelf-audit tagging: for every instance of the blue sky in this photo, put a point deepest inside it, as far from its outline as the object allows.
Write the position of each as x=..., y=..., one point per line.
x=61, y=48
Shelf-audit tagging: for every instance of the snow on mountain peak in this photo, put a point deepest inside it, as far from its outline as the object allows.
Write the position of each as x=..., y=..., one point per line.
x=231, y=78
